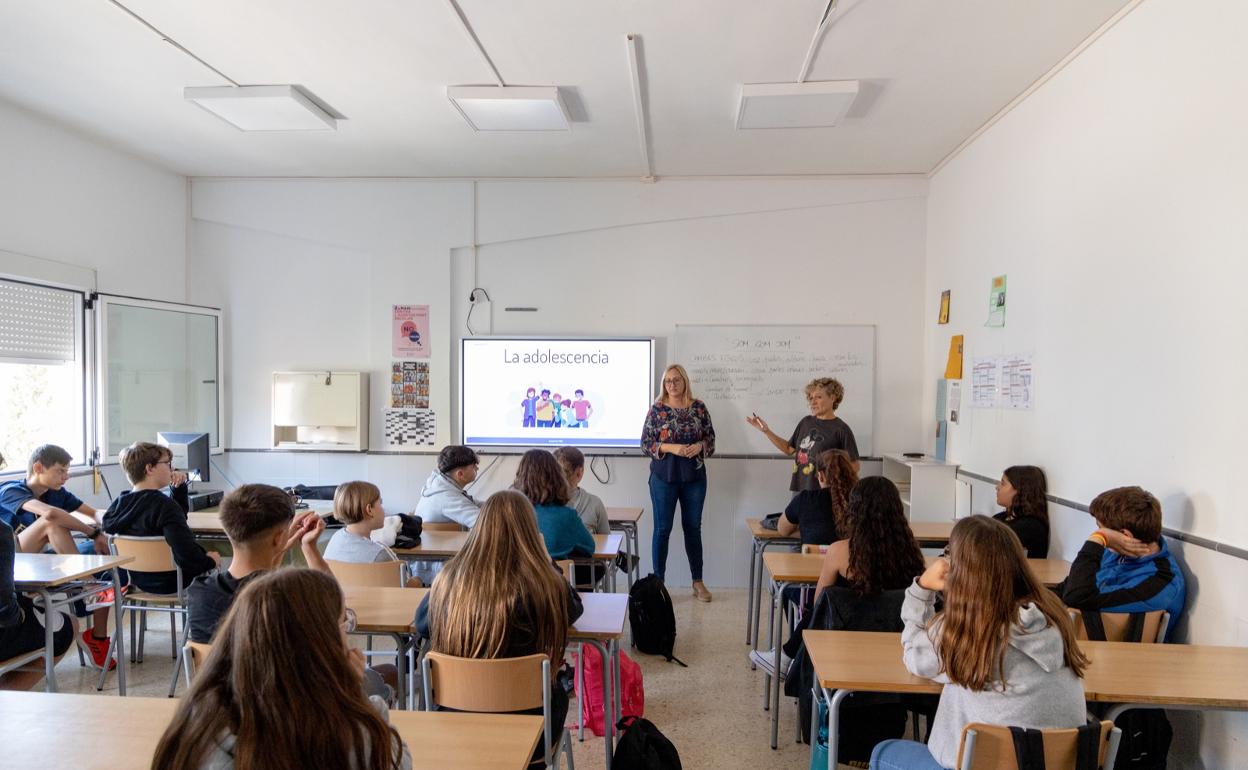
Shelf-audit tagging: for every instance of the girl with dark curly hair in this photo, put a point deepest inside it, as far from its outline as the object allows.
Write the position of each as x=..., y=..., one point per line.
x=879, y=552
x=818, y=515
x=1022, y=493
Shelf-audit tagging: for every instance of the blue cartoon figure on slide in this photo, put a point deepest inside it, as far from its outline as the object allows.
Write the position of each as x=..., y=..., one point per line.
x=529, y=404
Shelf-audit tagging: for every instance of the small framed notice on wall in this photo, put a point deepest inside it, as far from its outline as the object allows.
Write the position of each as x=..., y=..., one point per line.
x=410, y=331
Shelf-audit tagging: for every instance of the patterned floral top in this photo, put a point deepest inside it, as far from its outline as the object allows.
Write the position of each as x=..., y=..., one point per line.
x=670, y=425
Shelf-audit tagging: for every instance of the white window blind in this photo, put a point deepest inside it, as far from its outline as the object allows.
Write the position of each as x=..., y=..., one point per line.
x=37, y=323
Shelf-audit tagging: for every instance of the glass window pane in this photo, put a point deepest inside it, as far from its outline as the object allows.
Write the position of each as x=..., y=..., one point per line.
x=40, y=404
x=161, y=374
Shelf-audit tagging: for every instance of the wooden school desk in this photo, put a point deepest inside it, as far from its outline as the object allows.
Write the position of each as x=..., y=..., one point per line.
x=112, y=734
x=438, y=545
x=72, y=576
x=206, y=524
x=625, y=520
x=1130, y=675
x=390, y=612
x=803, y=569
x=601, y=626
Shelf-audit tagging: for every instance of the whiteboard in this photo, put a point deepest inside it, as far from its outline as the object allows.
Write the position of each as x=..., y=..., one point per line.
x=739, y=370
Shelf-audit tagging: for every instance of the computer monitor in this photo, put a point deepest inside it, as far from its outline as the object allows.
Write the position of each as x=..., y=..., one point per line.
x=190, y=453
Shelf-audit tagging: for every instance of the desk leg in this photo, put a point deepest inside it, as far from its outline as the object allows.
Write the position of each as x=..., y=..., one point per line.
x=580, y=689
x=834, y=700
x=749, y=594
x=122, y=660
x=615, y=685
x=403, y=696
x=777, y=611
x=49, y=654
x=607, y=697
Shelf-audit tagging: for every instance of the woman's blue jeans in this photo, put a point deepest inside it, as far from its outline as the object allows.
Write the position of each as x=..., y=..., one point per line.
x=663, y=497
x=903, y=755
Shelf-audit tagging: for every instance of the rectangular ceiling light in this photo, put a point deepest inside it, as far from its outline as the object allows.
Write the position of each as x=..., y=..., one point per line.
x=795, y=105
x=264, y=108
x=510, y=108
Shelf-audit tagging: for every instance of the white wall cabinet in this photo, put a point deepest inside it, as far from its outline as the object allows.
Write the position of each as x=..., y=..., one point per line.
x=928, y=486
x=322, y=411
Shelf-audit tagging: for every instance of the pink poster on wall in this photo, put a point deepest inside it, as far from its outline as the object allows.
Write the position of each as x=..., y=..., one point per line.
x=410, y=333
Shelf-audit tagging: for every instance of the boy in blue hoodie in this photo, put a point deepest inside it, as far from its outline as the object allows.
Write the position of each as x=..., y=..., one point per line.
x=1126, y=566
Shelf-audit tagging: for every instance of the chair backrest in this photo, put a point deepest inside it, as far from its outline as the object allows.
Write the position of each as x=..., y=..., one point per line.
x=442, y=526
x=487, y=686
x=377, y=574
x=195, y=653
x=991, y=747
x=813, y=548
x=1116, y=623
x=151, y=554
x=566, y=566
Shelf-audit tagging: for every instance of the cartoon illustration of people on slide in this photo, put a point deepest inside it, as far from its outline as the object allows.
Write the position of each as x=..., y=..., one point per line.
x=529, y=404
x=545, y=410
x=581, y=410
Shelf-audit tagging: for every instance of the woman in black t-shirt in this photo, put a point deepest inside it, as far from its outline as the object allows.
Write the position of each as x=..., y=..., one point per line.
x=819, y=514
x=1022, y=492
x=819, y=431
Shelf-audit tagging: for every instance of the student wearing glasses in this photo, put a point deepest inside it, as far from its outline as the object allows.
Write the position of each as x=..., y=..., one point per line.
x=678, y=436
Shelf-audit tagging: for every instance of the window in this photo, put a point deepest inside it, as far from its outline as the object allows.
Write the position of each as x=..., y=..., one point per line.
x=160, y=370
x=42, y=371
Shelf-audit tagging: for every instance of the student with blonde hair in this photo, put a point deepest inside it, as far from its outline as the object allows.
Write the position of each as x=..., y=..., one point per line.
x=358, y=505
x=501, y=596
x=1003, y=646
x=817, y=432
x=259, y=703
x=678, y=436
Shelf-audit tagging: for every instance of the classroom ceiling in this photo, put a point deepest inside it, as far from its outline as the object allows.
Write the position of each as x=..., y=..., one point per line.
x=931, y=72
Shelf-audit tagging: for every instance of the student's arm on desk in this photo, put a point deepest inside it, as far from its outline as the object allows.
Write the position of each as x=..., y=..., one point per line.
x=62, y=518
x=787, y=524
x=917, y=649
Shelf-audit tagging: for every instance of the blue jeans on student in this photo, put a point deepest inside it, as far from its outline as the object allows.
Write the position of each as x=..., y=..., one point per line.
x=663, y=496
x=903, y=755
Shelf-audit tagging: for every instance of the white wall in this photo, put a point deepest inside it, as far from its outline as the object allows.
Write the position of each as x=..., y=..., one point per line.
x=1113, y=199
x=322, y=261
x=69, y=199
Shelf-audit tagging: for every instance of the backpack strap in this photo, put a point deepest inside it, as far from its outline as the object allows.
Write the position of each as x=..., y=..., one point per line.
x=1135, y=627
x=1028, y=748
x=1088, y=747
x=1094, y=625
x=674, y=659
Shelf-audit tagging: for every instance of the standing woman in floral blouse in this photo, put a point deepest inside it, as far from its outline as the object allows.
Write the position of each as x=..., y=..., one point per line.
x=679, y=436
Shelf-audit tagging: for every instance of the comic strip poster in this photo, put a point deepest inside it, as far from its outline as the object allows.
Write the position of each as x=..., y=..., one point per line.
x=409, y=385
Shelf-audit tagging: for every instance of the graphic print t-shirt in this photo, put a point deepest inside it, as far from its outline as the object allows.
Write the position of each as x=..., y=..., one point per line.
x=812, y=436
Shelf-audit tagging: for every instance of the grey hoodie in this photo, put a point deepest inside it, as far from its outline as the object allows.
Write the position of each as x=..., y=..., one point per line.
x=1040, y=692
x=442, y=500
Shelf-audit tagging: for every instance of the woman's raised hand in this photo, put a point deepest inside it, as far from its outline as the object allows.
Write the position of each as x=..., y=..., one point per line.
x=758, y=422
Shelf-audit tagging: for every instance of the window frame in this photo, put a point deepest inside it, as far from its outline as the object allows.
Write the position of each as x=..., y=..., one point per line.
x=102, y=301
x=84, y=354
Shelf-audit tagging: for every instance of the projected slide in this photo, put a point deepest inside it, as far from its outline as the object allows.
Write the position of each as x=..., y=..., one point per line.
x=542, y=392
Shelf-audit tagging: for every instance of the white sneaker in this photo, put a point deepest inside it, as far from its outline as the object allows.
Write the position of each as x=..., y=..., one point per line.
x=765, y=659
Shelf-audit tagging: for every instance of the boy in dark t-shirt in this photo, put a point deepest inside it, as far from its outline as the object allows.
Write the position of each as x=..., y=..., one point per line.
x=815, y=433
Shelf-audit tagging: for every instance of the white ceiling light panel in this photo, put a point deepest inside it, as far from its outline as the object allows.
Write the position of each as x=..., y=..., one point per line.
x=795, y=105
x=264, y=108
x=510, y=108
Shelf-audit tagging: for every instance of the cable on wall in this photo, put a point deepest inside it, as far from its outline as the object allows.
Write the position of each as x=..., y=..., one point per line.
x=594, y=470
x=824, y=23
x=472, y=305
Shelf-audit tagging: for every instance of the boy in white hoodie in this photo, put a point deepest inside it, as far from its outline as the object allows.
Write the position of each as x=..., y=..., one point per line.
x=443, y=497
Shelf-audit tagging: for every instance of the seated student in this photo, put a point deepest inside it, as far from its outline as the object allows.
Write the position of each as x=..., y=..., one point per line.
x=586, y=504
x=539, y=478
x=21, y=628
x=1003, y=646
x=878, y=552
x=1022, y=493
x=146, y=511
x=42, y=513
x=817, y=515
x=358, y=505
x=443, y=497
x=1126, y=566
x=501, y=597
x=258, y=703
x=261, y=524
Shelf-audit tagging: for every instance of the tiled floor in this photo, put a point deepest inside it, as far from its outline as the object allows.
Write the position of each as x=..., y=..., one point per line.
x=712, y=710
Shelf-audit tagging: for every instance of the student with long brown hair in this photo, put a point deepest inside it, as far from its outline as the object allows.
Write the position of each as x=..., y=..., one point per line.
x=258, y=703
x=502, y=597
x=1023, y=493
x=541, y=480
x=1003, y=646
x=818, y=515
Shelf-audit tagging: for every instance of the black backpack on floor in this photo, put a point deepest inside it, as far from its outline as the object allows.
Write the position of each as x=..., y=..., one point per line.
x=651, y=618
x=643, y=747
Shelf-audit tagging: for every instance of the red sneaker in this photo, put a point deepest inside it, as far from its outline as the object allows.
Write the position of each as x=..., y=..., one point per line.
x=104, y=598
x=98, y=648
